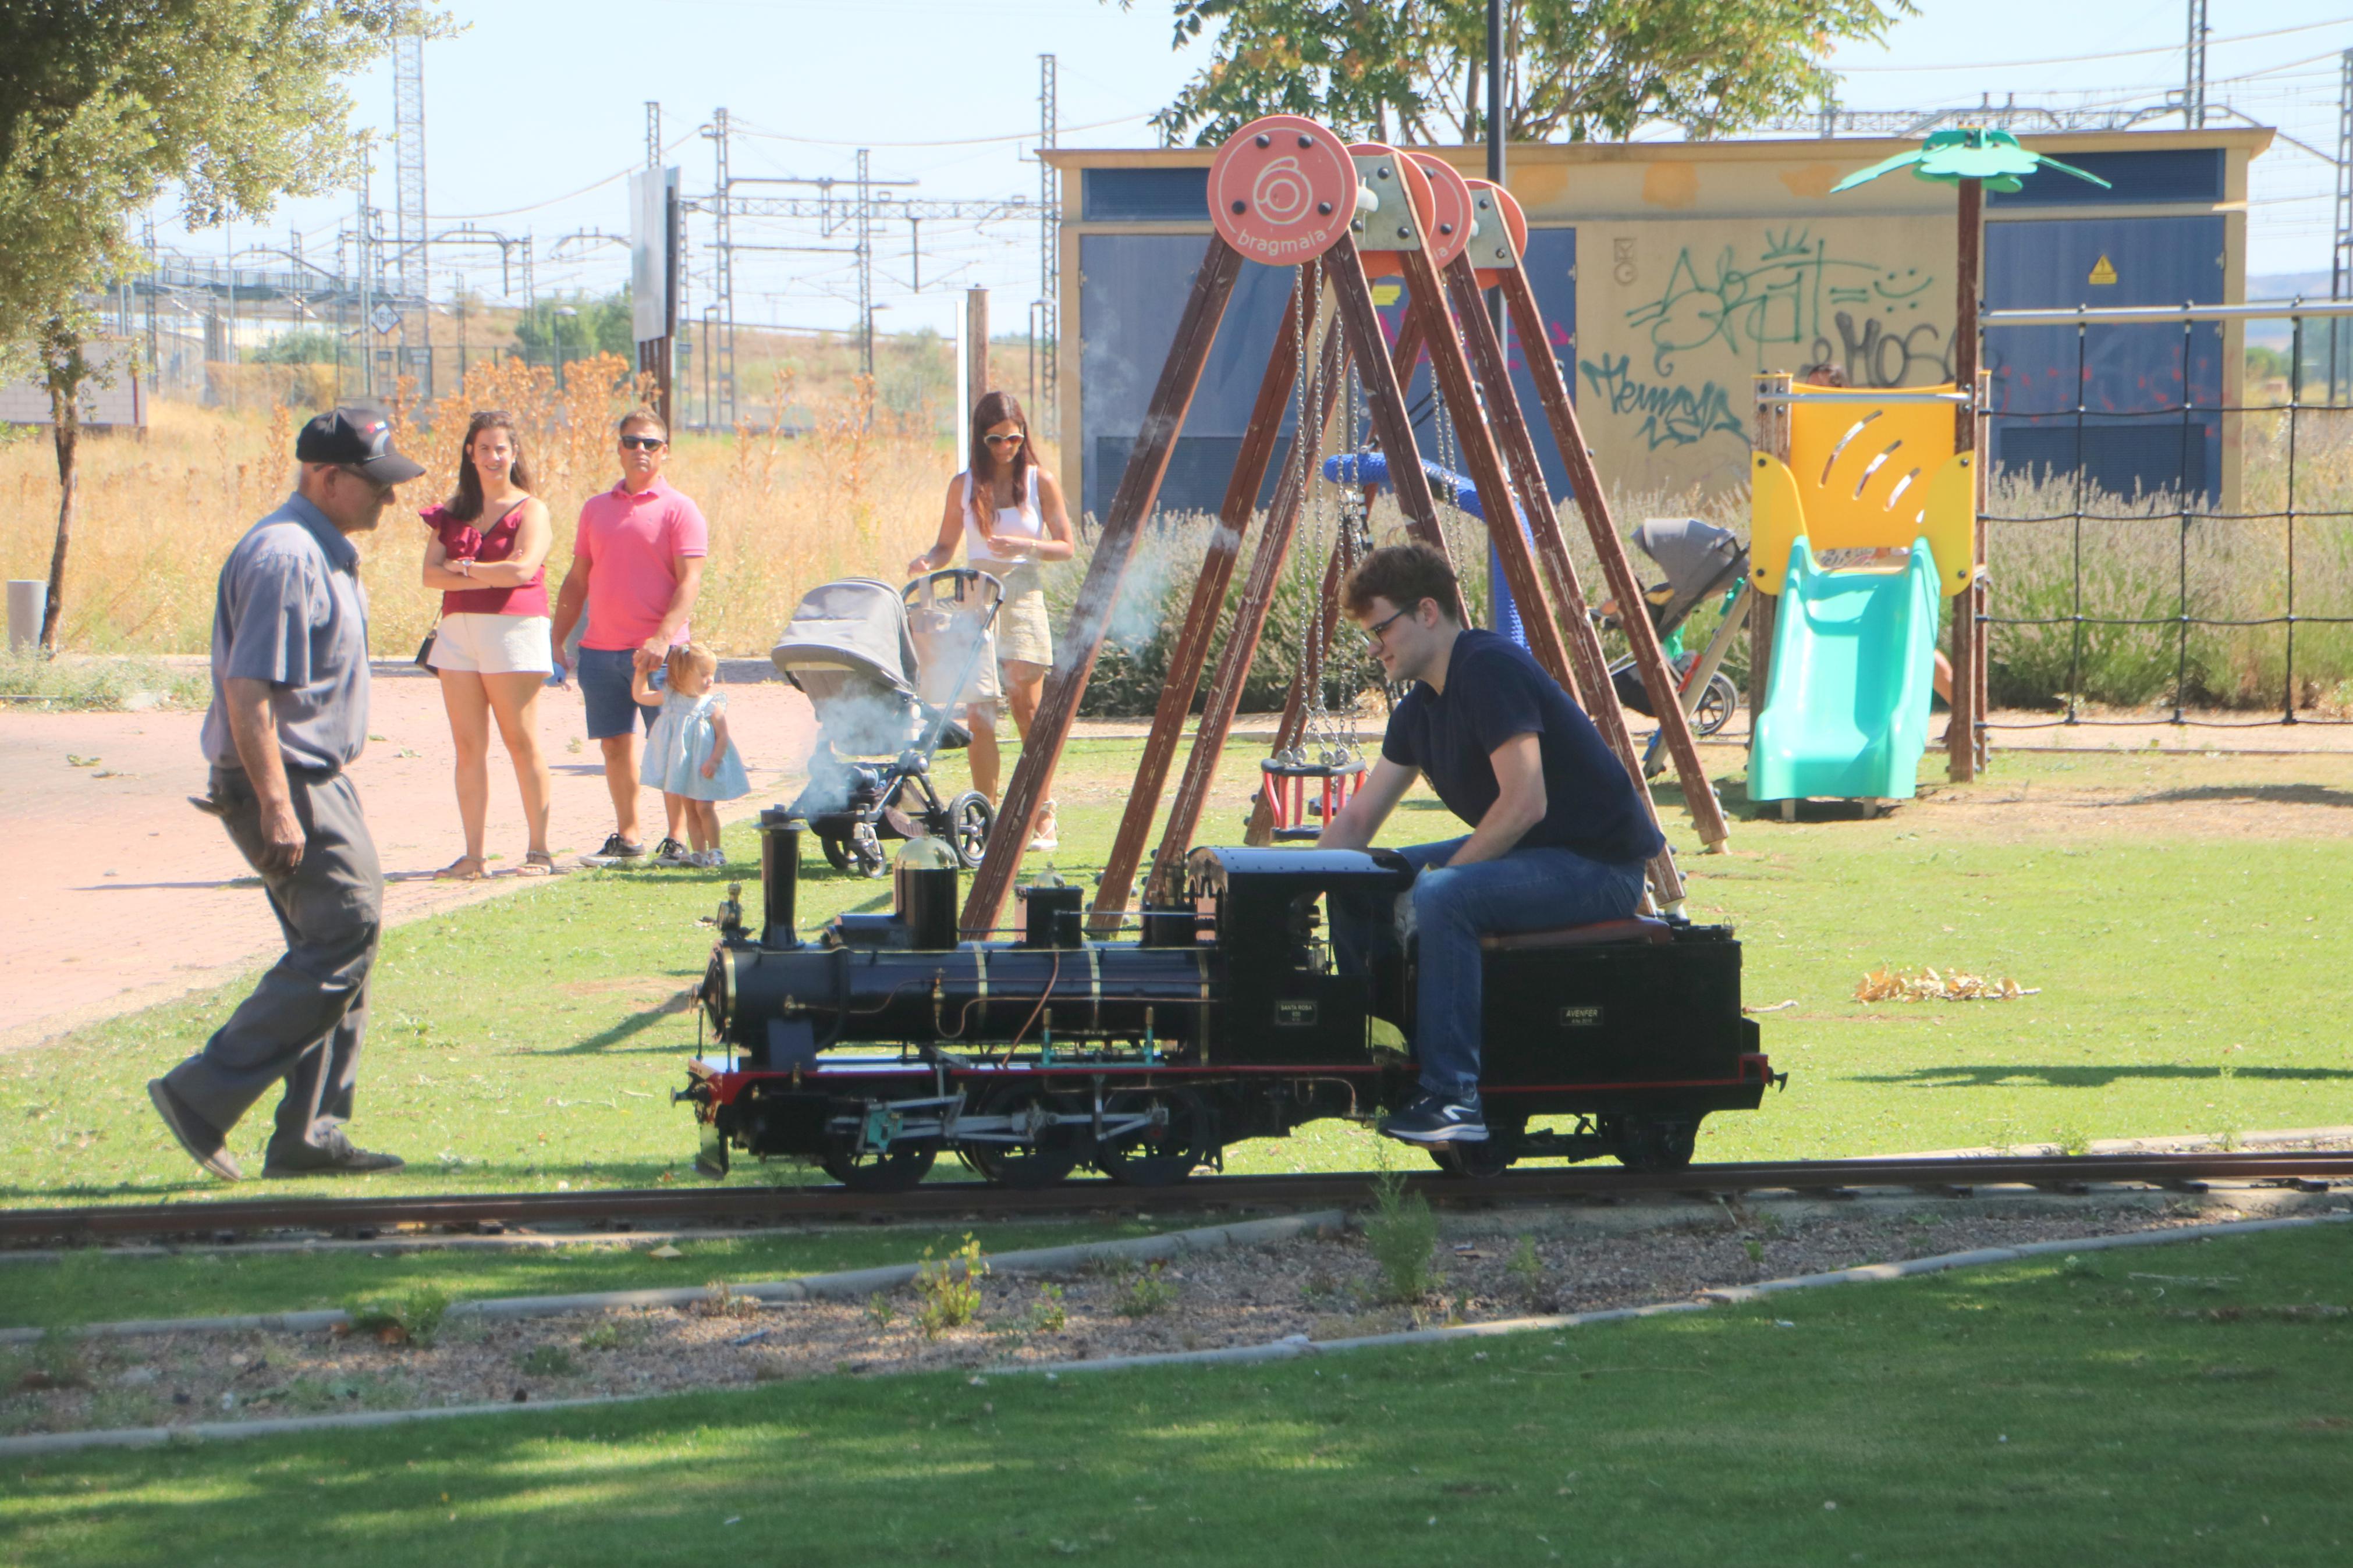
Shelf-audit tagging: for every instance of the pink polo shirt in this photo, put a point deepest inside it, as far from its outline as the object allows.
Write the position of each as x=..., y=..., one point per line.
x=629, y=545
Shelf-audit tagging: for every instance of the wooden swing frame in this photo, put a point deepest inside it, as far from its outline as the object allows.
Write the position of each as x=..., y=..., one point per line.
x=1471, y=371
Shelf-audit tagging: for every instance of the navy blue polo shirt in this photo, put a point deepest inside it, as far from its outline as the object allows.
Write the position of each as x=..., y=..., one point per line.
x=1494, y=691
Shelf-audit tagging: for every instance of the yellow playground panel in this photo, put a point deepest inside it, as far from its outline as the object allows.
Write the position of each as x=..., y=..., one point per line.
x=1865, y=474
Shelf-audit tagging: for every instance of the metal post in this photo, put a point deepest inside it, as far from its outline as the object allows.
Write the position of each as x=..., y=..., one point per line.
x=1963, y=718
x=976, y=347
x=2193, y=87
x=1046, y=329
x=866, y=261
x=1499, y=129
x=2340, y=263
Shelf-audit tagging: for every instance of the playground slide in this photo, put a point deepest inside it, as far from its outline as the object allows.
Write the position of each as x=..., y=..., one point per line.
x=1846, y=714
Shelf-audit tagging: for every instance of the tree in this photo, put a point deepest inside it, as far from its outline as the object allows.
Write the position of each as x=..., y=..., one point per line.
x=1578, y=71
x=304, y=345
x=103, y=103
x=575, y=329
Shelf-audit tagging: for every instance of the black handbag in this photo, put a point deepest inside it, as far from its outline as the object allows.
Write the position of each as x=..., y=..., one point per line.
x=425, y=651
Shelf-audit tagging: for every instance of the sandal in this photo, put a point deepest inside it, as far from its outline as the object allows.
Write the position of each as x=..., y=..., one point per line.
x=539, y=863
x=455, y=871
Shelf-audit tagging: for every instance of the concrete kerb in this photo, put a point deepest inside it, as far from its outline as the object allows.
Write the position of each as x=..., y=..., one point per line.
x=847, y=1285
x=1284, y=1349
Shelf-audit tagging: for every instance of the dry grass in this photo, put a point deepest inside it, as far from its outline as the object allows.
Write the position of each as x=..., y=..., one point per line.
x=858, y=493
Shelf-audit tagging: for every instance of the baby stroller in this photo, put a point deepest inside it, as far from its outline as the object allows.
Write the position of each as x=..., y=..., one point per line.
x=880, y=679
x=1701, y=560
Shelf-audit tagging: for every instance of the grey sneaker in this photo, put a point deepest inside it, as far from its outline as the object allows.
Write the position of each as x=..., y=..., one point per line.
x=617, y=851
x=1432, y=1120
x=670, y=852
x=337, y=1157
x=202, y=1141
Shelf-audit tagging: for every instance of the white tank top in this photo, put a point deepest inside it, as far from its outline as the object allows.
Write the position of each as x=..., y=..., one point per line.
x=1013, y=521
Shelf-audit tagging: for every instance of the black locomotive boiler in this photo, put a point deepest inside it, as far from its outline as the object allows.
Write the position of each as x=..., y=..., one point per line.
x=886, y=1040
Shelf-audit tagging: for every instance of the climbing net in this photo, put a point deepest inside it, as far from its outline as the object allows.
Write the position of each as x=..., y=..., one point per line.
x=2225, y=583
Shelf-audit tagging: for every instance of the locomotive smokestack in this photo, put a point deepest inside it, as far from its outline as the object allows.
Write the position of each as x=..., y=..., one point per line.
x=780, y=877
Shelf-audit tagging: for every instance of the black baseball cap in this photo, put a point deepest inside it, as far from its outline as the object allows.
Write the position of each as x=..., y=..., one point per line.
x=357, y=438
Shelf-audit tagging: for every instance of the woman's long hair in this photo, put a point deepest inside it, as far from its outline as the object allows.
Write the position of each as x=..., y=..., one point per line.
x=996, y=409
x=466, y=504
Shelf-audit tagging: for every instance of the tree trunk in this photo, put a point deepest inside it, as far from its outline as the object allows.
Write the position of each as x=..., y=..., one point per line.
x=65, y=409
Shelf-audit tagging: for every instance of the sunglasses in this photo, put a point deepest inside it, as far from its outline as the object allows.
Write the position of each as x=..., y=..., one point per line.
x=1013, y=441
x=1373, y=633
x=645, y=443
x=377, y=486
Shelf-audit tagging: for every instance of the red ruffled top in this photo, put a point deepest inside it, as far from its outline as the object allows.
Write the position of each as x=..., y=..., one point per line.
x=464, y=542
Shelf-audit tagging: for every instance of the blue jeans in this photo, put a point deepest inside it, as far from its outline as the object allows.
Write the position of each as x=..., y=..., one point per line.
x=1450, y=909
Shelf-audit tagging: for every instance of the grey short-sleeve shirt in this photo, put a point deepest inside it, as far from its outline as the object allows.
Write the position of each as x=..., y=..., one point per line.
x=292, y=610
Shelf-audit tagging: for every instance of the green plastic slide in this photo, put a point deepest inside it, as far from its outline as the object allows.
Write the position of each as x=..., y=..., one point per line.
x=1855, y=662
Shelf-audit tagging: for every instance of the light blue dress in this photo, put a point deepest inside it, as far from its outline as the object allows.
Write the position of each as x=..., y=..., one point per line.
x=681, y=741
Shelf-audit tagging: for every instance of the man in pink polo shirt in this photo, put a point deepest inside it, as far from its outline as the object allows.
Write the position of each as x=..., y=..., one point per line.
x=636, y=564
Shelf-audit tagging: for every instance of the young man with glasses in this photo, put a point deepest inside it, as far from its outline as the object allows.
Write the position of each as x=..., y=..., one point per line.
x=637, y=565
x=290, y=712
x=1559, y=836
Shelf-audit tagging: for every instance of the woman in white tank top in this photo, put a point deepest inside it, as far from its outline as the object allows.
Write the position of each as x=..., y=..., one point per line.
x=1009, y=512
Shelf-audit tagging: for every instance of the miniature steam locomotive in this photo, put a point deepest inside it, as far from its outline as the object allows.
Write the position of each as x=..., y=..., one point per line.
x=887, y=1040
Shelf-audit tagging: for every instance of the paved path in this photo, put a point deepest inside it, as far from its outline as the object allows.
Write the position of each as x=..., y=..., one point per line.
x=117, y=894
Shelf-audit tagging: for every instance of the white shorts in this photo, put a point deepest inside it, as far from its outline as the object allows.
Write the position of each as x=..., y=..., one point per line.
x=493, y=645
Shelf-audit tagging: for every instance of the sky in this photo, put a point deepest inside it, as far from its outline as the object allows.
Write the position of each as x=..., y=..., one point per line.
x=535, y=112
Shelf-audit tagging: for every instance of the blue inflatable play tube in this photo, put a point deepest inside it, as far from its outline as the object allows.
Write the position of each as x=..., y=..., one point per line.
x=1457, y=490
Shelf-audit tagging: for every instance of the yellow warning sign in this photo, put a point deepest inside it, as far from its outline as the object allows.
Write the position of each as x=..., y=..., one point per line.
x=2104, y=271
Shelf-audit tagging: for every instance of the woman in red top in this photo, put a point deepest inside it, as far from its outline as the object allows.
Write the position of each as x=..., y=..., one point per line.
x=489, y=558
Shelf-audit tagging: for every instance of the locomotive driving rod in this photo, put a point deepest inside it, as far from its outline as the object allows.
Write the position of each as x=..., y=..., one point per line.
x=745, y=1205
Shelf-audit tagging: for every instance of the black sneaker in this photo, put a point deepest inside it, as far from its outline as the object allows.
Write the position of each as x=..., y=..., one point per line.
x=617, y=849
x=670, y=852
x=338, y=1157
x=1432, y=1120
x=202, y=1141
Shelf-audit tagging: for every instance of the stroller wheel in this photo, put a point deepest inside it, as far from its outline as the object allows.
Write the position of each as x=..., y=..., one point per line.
x=837, y=852
x=1716, y=704
x=866, y=849
x=970, y=817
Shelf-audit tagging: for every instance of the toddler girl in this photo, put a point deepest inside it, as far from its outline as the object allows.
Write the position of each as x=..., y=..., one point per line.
x=689, y=756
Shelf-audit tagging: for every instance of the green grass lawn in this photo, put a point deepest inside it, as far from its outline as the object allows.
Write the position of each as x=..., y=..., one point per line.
x=534, y=1040
x=2180, y=1403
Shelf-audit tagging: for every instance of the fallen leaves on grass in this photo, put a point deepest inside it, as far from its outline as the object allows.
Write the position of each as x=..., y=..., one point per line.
x=1885, y=985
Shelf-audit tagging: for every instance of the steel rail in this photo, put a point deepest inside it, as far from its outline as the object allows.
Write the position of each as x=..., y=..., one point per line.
x=935, y=1199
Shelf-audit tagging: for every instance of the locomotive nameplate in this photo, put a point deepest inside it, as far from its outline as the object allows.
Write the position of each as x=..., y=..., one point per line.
x=1580, y=1018
x=1295, y=1015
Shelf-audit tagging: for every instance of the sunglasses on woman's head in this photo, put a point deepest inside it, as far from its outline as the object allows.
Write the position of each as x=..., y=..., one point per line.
x=644, y=443
x=1012, y=440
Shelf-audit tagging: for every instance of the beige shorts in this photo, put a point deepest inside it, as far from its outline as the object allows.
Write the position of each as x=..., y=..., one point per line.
x=1023, y=634
x=493, y=645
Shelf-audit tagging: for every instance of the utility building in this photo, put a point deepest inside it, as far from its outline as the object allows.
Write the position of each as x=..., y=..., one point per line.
x=1673, y=273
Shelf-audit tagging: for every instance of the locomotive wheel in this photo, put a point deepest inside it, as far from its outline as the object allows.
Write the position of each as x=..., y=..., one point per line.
x=837, y=851
x=970, y=817
x=892, y=1170
x=1182, y=1136
x=1477, y=1162
x=1055, y=1152
x=1656, y=1144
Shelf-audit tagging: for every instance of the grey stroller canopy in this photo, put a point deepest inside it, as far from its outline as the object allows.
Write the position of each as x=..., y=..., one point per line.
x=848, y=646
x=1700, y=559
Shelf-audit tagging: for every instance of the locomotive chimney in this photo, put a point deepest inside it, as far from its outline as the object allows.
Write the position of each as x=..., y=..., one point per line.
x=780, y=876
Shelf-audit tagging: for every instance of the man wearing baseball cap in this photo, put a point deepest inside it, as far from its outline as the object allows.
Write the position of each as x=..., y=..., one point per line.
x=288, y=713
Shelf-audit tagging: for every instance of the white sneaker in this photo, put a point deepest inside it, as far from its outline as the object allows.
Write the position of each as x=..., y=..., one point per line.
x=1045, y=836
x=711, y=859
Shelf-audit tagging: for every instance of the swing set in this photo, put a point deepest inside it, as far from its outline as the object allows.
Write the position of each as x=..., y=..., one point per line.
x=1284, y=191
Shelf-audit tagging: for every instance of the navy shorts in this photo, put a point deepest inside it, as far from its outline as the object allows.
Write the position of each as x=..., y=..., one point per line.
x=605, y=677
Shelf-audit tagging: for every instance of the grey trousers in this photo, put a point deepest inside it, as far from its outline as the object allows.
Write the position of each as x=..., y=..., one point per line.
x=305, y=1022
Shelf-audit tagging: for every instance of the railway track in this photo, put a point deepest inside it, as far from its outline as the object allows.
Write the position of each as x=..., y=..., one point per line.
x=629, y=1207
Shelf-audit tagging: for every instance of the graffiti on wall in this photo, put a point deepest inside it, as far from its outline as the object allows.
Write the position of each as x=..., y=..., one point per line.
x=1673, y=415
x=1790, y=302
x=1791, y=296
